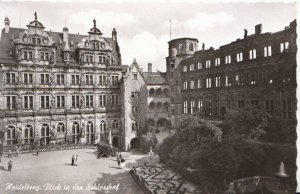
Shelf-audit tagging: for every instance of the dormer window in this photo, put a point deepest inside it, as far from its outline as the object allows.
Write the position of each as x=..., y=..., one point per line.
x=44, y=56
x=36, y=40
x=27, y=55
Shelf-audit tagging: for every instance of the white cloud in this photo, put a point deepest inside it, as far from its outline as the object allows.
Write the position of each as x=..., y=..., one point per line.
x=203, y=21
x=104, y=19
x=145, y=47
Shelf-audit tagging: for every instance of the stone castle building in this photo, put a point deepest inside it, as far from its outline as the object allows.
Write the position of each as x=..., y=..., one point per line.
x=58, y=87
x=256, y=71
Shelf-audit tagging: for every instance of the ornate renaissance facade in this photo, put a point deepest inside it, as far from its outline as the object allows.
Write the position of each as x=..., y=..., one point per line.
x=58, y=87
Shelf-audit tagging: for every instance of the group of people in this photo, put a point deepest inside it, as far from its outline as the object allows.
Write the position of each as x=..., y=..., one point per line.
x=9, y=153
x=120, y=160
x=74, y=160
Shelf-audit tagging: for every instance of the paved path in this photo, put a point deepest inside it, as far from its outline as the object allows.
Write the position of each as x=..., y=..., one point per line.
x=54, y=168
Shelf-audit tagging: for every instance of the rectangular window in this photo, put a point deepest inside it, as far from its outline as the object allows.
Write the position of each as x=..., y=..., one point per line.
x=239, y=57
x=115, y=100
x=102, y=102
x=252, y=54
x=30, y=55
x=227, y=80
x=252, y=79
x=115, y=79
x=10, y=78
x=184, y=69
x=200, y=106
x=45, y=103
x=207, y=64
x=241, y=103
x=45, y=79
x=28, y=102
x=46, y=56
x=25, y=55
x=267, y=51
x=28, y=78
x=269, y=106
x=75, y=101
x=238, y=79
x=218, y=81
x=102, y=80
x=60, y=101
x=192, y=67
x=134, y=126
x=185, y=85
x=135, y=76
x=185, y=107
x=192, y=106
x=199, y=83
x=284, y=47
x=254, y=103
x=60, y=79
x=192, y=84
x=89, y=101
x=199, y=65
x=227, y=59
x=208, y=82
x=75, y=79
x=10, y=102
x=217, y=62
x=89, y=79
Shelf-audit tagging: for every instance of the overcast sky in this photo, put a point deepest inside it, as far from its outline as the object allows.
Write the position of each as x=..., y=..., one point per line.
x=143, y=28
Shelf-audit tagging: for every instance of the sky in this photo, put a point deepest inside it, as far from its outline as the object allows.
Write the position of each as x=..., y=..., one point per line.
x=144, y=27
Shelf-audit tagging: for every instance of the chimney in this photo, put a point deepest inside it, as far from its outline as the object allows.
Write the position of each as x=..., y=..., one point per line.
x=245, y=33
x=150, y=67
x=65, y=34
x=258, y=29
x=114, y=34
x=6, y=22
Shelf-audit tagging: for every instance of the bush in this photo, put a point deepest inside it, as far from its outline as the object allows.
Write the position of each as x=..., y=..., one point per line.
x=146, y=142
x=165, y=148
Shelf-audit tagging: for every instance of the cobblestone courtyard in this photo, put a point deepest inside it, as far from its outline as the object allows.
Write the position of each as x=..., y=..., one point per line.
x=54, y=168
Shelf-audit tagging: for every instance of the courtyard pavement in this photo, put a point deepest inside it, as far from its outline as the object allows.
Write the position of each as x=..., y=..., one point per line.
x=35, y=174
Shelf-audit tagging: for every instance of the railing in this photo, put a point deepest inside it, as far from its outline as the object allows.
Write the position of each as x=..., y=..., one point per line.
x=28, y=148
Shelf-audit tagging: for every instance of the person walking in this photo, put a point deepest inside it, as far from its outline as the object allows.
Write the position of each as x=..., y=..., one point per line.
x=9, y=154
x=37, y=151
x=73, y=159
x=9, y=165
x=76, y=160
x=118, y=159
x=18, y=151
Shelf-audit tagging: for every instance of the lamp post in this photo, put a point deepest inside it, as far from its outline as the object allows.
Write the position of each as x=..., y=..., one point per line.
x=282, y=176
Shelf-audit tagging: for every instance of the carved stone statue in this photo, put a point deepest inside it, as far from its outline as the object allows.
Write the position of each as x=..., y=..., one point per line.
x=52, y=101
x=19, y=134
x=52, y=57
x=19, y=78
x=52, y=78
x=19, y=54
x=81, y=59
x=19, y=102
x=82, y=101
x=82, y=131
x=82, y=79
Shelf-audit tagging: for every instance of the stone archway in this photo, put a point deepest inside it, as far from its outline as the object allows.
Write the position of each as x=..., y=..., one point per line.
x=135, y=143
x=115, y=142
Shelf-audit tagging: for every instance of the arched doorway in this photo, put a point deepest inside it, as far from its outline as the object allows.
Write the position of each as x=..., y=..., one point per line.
x=75, y=133
x=115, y=142
x=90, y=133
x=134, y=143
x=45, y=134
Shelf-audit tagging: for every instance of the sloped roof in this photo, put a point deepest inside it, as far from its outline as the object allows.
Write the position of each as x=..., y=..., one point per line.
x=7, y=51
x=156, y=78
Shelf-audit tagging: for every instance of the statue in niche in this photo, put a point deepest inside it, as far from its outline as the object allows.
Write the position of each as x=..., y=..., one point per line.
x=67, y=56
x=82, y=79
x=81, y=59
x=82, y=99
x=52, y=57
x=52, y=131
x=52, y=101
x=108, y=60
x=82, y=130
x=19, y=78
x=52, y=78
x=19, y=102
x=19, y=134
x=19, y=54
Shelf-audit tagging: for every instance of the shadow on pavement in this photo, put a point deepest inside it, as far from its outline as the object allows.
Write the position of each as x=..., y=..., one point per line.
x=120, y=183
x=2, y=168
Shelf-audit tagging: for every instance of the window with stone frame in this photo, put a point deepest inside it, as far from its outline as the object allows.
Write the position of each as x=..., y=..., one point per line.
x=45, y=102
x=28, y=78
x=44, y=79
x=102, y=100
x=60, y=79
x=28, y=102
x=75, y=101
x=10, y=78
x=60, y=101
x=89, y=79
x=284, y=47
x=89, y=100
x=10, y=102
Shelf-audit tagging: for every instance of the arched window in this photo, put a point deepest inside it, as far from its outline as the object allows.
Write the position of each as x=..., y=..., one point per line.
x=151, y=92
x=75, y=132
x=158, y=92
x=28, y=134
x=115, y=124
x=166, y=107
x=11, y=135
x=103, y=127
x=60, y=128
x=45, y=134
x=152, y=105
x=166, y=92
x=90, y=133
x=159, y=107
